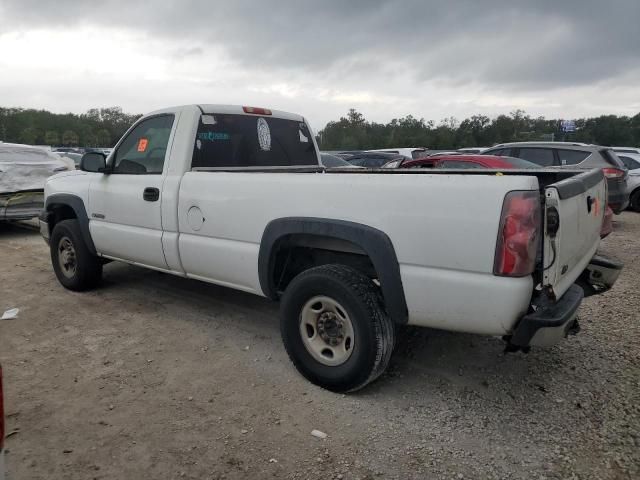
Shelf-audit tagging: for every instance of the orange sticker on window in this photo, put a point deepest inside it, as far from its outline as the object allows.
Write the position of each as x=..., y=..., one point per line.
x=142, y=144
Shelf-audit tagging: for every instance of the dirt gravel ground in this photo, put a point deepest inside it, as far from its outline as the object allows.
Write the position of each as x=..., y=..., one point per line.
x=154, y=376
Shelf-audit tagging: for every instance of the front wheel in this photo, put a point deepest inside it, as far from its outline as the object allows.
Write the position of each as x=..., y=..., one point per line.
x=75, y=266
x=335, y=329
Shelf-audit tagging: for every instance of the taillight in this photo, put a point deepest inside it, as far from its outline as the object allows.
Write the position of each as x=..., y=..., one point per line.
x=613, y=172
x=1, y=414
x=519, y=235
x=257, y=110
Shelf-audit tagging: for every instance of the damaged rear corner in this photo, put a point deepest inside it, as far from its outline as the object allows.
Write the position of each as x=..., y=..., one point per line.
x=23, y=205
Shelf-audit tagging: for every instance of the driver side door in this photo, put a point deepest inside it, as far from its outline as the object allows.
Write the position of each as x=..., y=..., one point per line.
x=124, y=217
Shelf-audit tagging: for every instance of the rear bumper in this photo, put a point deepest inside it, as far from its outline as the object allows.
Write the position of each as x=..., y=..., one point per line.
x=551, y=322
x=618, y=198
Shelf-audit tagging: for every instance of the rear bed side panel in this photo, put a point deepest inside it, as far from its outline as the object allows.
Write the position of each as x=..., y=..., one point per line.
x=464, y=301
x=443, y=229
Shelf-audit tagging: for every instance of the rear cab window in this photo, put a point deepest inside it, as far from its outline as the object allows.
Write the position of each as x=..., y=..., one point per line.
x=252, y=141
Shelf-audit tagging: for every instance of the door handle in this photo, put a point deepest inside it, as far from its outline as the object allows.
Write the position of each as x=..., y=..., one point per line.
x=151, y=194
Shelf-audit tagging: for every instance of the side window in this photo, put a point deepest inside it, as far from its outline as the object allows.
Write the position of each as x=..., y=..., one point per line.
x=629, y=162
x=144, y=149
x=572, y=157
x=539, y=156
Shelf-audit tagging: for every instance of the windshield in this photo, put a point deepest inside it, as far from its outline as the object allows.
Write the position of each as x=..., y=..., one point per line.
x=232, y=141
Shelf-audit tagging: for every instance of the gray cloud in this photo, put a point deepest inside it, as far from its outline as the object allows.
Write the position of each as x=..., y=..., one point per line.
x=537, y=45
x=386, y=58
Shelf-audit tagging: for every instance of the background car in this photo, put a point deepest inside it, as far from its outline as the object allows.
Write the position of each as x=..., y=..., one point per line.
x=620, y=150
x=334, y=161
x=415, y=152
x=23, y=171
x=632, y=162
x=374, y=159
x=68, y=150
x=574, y=156
x=482, y=161
x=472, y=149
x=492, y=162
x=76, y=157
x=468, y=161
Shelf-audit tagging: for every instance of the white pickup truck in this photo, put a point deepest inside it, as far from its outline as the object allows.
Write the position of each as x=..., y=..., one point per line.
x=236, y=196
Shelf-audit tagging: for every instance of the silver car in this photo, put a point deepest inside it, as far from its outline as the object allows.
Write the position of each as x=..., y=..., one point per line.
x=23, y=171
x=576, y=156
x=632, y=162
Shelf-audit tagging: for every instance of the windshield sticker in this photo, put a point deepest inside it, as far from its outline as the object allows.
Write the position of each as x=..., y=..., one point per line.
x=142, y=144
x=264, y=135
x=208, y=120
x=303, y=138
x=212, y=136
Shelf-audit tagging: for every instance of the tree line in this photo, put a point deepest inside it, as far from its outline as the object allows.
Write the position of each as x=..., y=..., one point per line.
x=98, y=127
x=354, y=132
x=102, y=127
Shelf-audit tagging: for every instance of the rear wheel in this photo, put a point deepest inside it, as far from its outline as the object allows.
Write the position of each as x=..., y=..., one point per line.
x=634, y=201
x=74, y=265
x=335, y=329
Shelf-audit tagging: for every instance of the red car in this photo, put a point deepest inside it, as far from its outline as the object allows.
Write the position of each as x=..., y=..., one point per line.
x=468, y=161
x=493, y=162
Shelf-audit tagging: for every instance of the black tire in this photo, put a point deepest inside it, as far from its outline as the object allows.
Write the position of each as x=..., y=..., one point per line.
x=87, y=268
x=634, y=201
x=373, y=330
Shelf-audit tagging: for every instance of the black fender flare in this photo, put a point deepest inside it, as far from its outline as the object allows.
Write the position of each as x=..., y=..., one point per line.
x=374, y=242
x=77, y=205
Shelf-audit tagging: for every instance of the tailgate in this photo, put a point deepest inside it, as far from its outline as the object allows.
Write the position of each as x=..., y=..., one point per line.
x=574, y=211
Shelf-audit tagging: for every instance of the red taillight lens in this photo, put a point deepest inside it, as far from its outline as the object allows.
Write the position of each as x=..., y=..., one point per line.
x=257, y=110
x=1, y=414
x=613, y=172
x=519, y=235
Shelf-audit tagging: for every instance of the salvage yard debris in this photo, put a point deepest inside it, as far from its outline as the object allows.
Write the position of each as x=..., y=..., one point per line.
x=10, y=314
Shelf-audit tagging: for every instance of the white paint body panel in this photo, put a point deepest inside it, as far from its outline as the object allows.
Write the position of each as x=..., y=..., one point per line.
x=443, y=227
x=447, y=278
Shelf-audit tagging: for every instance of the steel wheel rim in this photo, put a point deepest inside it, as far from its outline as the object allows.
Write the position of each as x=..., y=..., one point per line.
x=67, y=257
x=326, y=331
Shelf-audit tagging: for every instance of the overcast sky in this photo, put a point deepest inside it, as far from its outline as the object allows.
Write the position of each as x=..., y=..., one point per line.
x=387, y=59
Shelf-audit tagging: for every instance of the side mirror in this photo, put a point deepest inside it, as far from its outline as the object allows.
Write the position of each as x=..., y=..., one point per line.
x=93, y=162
